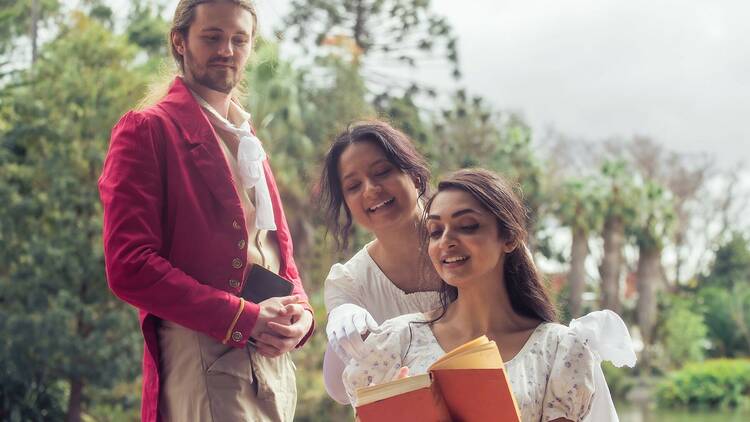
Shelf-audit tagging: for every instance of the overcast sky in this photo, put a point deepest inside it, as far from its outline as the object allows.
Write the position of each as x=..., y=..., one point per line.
x=675, y=70
x=678, y=71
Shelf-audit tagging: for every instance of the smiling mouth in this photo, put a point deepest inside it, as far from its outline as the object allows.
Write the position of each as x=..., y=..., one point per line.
x=454, y=260
x=381, y=205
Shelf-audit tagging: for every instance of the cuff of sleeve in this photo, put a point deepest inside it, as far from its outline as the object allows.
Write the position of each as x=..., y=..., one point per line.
x=239, y=332
x=312, y=326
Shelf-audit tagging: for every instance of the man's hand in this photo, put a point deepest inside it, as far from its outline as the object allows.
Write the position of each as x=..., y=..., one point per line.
x=273, y=309
x=284, y=332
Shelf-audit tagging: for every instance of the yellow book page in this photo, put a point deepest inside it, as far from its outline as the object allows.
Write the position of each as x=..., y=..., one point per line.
x=484, y=356
x=382, y=391
x=463, y=348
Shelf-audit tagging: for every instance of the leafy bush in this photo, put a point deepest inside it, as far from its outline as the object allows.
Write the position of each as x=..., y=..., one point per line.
x=718, y=383
x=684, y=334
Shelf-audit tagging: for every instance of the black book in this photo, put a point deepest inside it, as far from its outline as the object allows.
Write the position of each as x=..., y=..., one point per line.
x=262, y=284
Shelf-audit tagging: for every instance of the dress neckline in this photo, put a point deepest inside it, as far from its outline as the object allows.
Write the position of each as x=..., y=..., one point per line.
x=526, y=345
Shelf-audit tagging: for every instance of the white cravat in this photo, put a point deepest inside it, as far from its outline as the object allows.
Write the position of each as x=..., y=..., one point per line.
x=250, y=157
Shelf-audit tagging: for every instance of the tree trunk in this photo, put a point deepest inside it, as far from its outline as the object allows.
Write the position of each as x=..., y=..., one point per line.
x=359, y=26
x=577, y=275
x=34, y=29
x=673, y=286
x=648, y=275
x=75, y=400
x=609, y=270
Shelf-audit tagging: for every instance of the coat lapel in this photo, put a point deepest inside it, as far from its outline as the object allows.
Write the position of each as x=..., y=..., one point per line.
x=203, y=144
x=212, y=166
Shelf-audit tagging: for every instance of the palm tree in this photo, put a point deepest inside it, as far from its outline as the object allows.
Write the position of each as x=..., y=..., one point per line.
x=619, y=210
x=653, y=225
x=579, y=207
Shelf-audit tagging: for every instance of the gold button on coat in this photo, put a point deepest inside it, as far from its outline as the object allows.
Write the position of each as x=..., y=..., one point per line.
x=241, y=244
x=237, y=336
x=236, y=225
x=237, y=263
x=234, y=283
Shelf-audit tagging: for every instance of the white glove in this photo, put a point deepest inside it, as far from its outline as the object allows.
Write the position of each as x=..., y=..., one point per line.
x=346, y=325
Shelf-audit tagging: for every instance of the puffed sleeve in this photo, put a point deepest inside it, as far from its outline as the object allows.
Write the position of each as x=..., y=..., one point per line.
x=384, y=357
x=609, y=340
x=607, y=336
x=340, y=288
x=570, y=388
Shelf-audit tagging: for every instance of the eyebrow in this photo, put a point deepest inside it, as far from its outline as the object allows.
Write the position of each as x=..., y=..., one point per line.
x=218, y=29
x=454, y=215
x=350, y=174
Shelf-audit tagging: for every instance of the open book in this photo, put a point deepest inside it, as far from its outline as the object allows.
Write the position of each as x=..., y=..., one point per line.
x=467, y=384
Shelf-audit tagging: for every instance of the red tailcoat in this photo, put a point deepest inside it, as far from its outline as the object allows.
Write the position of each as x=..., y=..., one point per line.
x=174, y=229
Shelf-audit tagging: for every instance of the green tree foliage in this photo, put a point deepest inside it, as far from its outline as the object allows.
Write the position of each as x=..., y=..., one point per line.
x=387, y=38
x=471, y=134
x=16, y=19
x=731, y=264
x=654, y=216
x=147, y=29
x=467, y=134
x=725, y=296
x=407, y=115
x=60, y=324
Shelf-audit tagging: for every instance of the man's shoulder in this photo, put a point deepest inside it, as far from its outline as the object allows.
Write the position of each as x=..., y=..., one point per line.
x=146, y=115
x=141, y=126
x=153, y=119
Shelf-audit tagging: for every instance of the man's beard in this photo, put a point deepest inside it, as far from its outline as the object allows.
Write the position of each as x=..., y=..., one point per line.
x=203, y=75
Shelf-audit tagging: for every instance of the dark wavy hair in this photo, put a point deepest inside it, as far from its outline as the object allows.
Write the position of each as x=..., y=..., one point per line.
x=527, y=294
x=398, y=149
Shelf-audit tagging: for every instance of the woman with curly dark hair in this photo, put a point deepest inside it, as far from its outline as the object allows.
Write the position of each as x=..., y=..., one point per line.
x=374, y=177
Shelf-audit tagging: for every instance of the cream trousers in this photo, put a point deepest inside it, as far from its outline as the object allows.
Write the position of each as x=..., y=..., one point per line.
x=203, y=380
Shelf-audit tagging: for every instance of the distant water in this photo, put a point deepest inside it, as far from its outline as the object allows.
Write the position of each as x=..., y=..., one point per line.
x=645, y=414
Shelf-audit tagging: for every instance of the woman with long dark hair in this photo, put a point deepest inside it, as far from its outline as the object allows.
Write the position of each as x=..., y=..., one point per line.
x=375, y=177
x=475, y=231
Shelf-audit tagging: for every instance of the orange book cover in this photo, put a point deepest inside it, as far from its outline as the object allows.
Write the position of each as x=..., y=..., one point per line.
x=477, y=394
x=424, y=404
x=467, y=384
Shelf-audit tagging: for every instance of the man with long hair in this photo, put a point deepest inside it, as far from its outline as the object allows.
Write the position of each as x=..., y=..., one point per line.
x=190, y=208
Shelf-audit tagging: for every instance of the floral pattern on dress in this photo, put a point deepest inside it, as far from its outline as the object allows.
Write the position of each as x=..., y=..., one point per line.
x=552, y=376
